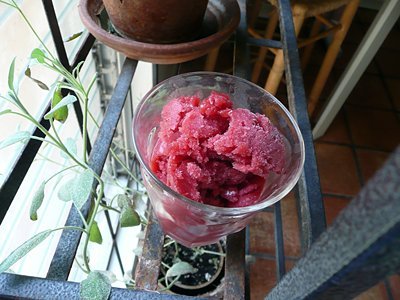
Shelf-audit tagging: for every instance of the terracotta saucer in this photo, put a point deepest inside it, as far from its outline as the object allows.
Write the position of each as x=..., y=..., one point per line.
x=221, y=19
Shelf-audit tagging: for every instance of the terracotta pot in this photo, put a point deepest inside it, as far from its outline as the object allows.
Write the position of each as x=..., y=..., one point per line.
x=157, y=21
x=210, y=269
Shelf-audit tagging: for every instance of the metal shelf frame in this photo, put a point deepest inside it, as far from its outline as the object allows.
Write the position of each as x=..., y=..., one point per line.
x=236, y=282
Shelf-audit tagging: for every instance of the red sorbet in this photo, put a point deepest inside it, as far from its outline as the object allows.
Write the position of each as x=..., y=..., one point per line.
x=214, y=154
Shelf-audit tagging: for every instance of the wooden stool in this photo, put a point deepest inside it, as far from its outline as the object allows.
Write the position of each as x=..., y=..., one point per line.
x=302, y=9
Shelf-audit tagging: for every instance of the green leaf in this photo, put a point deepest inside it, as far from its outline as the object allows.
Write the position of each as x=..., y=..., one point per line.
x=73, y=37
x=77, y=189
x=20, y=136
x=37, y=202
x=11, y=75
x=59, y=110
x=24, y=249
x=70, y=144
x=129, y=217
x=38, y=55
x=14, y=98
x=95, y=234
x=6, y=111
x=64, y=193
x=41, y=84
x=123, y=201
x=95, y=287
x=180, y=268
x=82, y=188
x=61, y=114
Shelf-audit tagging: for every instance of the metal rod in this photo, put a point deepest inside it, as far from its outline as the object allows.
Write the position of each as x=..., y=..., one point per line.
x=358, y=250
x=235, y=266
x=279, y=248
x=308, y=190
x=68, y=244
x=147, y=270
x=25, y=287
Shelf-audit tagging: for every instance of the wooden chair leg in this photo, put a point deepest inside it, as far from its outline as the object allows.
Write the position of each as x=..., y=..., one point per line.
x=262, y=53
x=211, y=60
x=308, y=49
x=276, y=73
x=331, y=55
x=253, y=15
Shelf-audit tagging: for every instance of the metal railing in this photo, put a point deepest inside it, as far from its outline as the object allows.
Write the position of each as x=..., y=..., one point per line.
x=236, y=281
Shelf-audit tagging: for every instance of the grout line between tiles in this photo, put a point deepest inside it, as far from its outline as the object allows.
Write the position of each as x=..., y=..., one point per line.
x=358, y=147
x=343, y=196
x=272, y=257
x=382, y=77
x=353, y=148
x=365, y=107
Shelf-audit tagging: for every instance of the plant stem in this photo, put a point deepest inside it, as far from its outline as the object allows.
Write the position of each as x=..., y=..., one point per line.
x=84, y=131
x=58, y=143
x=214, y=253
x=115, y=156
x=169, y=243
x=91, y=219
x=59, y=172
x=80, y=267
x=169, y=285
x=109, y=207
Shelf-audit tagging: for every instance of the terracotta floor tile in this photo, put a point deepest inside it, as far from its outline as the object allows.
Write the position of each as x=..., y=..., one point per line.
x=344, y=57
x=374, y=96
x=291, y=229
x=388, y=61
x=370, y=162
x=337, y=169
x=394, y=91
x=377, y=292
x=333, y=206
x=374, y=128
x=392, y=41
x=262, y=239
x=365, y=16
x=337, y=131
x=262, y=278
x=356, y=32
x=395, y=286
x=262, y=233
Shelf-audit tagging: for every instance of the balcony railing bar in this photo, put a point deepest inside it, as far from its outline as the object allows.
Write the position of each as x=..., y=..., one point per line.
x=247, y=267
x=67, y=247
x=147, y=270
x=279, y=249
x=264, y=43
x=308, y=191
x=26, y=287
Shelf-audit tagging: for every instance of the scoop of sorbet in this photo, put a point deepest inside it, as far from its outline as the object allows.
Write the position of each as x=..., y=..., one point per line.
x=214, y=154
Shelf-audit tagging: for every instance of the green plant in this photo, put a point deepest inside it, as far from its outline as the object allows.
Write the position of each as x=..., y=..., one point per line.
x=80, y=187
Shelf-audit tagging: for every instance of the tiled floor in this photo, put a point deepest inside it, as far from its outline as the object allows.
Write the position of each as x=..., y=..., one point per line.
x=357, y=143
x=361, y=137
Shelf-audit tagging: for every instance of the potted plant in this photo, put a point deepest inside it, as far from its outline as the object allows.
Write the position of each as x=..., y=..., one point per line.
x=191, y=271
x=157, y=21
